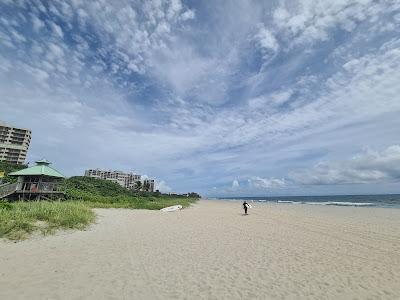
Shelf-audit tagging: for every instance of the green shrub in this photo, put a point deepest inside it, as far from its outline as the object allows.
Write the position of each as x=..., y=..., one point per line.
x=7, y=168
x=104, y=193
x=5, y=205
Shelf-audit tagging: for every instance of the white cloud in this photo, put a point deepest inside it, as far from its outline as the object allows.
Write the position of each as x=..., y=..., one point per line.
x=202, y=81
x=57, y=30
x=162, y=186
x=272, y=100
x=17, y=37
x=37, y=23
x=266, y=183
x=188, y=15
x=368, y=167
x=281, y=97
x=235, y=184
x=310, y=21
x=267, y=40
x=55, y=51
x=181, y=67
x=40, y=75
x=174, y=8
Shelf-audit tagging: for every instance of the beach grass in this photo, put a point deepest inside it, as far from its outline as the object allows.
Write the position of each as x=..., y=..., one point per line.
x=19, y=220
x=152, y=203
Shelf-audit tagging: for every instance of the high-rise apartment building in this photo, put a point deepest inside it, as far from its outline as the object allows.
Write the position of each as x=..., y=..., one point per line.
x=14, y=143
x=127, y=180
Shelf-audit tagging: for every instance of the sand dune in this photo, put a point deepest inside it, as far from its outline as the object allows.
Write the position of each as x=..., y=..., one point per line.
x=212, y=251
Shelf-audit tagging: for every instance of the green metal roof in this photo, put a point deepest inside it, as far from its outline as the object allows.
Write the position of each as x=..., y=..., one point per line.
x=41, y=168
x=43, y=162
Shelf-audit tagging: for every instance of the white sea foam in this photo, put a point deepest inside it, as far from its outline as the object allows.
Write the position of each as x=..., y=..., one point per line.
x=225, y=199
x=335, y=203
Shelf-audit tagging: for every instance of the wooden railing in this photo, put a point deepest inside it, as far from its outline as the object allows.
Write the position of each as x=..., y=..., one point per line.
x=7, y=189
x=41, y=187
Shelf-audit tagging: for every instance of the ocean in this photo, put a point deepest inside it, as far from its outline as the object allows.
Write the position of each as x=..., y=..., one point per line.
x=389, y=201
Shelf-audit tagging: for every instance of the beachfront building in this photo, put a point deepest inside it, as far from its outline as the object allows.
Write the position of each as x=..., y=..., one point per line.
x=114, y=176
x=40, y=182
x=148, y=185
x=127, y=180
x=14, y=143
x=131, y=180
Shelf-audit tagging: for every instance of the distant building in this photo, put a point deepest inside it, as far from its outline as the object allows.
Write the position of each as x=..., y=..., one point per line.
x=127, y=180
x=114, y=176
x=14, y=143
x=148, y=185
x=131, y=180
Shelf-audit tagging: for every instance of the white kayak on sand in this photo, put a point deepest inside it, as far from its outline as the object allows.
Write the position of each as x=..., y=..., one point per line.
x=171, y=208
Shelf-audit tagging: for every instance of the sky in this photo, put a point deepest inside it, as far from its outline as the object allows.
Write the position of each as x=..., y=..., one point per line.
x=224, y=98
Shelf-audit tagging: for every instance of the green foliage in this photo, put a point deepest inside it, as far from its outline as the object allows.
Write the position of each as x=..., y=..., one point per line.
x=138, y=186
x=194, y=195
x=95, y=186
x=23, y=218
x=146, y=186
x=103, y=193
x=5, y=205
x=19, y=219
x=9, y=168
x=151, y=203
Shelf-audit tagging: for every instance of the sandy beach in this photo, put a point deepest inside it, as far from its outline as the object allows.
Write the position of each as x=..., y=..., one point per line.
x=213, y=251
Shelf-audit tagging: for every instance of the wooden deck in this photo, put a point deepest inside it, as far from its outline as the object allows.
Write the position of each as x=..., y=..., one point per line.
x=34, y=191
x=7, y=189
x=38, y=192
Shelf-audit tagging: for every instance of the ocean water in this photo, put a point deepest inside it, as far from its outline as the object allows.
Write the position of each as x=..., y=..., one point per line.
x=390, y=201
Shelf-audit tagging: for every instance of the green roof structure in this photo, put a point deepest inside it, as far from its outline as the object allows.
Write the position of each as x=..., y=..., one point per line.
x=42, y=168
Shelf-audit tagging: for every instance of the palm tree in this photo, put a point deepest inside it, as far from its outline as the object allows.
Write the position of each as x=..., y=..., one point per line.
x=146, y=186
x=138, y=186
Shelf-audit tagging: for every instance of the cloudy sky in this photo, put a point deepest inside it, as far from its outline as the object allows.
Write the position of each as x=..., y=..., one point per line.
x=220, y=97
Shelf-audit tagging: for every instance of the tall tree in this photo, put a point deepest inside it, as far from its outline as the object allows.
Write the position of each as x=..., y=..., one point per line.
x=138, y=186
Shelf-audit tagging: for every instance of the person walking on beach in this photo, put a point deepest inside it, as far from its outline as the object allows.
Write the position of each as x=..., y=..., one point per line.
x=245, y=207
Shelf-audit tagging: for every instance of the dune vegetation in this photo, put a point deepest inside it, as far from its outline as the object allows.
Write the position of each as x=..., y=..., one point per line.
x=20, y=219
x=107, y=194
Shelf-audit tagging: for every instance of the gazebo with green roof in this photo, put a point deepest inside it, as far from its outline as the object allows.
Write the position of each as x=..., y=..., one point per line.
x=38, y=182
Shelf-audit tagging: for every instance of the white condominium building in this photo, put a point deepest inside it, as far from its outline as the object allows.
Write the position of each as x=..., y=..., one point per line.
x=127, y=180
x=14, y=143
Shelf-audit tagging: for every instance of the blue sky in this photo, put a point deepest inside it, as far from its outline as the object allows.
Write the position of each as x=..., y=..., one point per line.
x=220, y=97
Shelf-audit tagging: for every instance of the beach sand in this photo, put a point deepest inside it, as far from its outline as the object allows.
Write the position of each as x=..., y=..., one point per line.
x=213, y=251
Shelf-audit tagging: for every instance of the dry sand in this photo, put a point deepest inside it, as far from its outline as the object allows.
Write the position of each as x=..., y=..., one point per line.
x=212, y=251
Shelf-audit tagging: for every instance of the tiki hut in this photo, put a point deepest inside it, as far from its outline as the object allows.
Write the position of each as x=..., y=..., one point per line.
x=40, y=182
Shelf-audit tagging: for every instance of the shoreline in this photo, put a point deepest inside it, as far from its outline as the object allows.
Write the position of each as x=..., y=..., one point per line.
x=212, y=251
x=320, y=200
